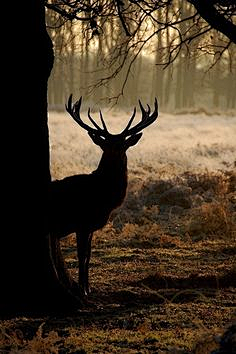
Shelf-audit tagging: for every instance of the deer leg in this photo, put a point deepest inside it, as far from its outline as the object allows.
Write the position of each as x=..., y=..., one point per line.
x=87, y=263
x=61, y=271
x=84, y=252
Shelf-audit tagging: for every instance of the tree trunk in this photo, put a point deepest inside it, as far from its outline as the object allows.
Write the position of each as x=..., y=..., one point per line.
x=28, y=279
x=179, y=84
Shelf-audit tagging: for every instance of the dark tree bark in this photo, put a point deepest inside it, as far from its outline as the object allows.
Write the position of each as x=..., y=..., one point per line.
x=28, y=279
x=208, y=11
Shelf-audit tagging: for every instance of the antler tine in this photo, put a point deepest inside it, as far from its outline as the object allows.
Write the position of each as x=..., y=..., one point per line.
x=129, y=123
x=103, y=122
x=145, y=114
x=93, y=121
x=103, y=131
x=146, y=119
x=74, y=111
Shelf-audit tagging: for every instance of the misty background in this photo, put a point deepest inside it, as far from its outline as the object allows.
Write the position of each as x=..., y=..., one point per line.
x=200, y=78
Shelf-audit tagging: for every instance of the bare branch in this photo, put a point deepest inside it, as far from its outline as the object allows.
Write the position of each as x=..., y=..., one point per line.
x=217, y=20
x=119, y=5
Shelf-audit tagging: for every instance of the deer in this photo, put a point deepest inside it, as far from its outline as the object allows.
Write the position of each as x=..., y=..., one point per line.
x=82, y=204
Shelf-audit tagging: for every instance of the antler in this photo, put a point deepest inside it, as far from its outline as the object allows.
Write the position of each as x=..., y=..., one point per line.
x=146, y=119
x=74, y=111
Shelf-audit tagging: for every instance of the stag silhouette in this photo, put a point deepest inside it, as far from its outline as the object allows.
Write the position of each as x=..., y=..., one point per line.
x=82, y=203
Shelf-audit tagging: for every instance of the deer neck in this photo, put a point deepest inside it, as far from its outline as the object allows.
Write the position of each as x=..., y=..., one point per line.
x=112, y=171
x=112, y=166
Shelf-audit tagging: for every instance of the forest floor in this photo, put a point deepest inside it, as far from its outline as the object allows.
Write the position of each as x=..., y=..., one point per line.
x=163, y=270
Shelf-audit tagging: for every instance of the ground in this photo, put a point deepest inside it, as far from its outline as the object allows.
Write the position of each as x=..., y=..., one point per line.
x=163, y=270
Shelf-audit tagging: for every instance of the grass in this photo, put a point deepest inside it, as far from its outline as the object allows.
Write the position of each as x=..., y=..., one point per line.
x=163, y=269
x=158, y=285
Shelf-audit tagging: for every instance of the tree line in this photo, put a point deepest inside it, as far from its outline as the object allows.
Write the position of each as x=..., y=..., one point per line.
x=103, y=67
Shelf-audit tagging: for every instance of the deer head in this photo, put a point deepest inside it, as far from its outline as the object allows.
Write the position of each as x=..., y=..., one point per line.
x=113, y=143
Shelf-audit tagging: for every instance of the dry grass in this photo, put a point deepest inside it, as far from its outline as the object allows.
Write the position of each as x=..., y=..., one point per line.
x=175, y=144
x=163, y=269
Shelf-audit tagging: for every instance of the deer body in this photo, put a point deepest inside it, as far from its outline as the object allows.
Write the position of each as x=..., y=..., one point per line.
x=83, y=203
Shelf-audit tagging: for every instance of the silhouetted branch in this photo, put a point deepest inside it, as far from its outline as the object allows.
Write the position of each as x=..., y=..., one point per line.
x=120, y=4
x=129, y=27
x=215, y=18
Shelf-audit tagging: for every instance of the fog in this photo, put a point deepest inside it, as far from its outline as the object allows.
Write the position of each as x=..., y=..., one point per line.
x=171, y=145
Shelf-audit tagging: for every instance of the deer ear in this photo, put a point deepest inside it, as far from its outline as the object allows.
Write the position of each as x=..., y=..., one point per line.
x=97, y=139
x=132, y=140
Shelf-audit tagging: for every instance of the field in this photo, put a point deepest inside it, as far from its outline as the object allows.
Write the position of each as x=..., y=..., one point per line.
x=163, y=271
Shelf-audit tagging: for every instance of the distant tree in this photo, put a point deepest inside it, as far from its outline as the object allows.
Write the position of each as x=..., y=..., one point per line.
x=188, y=25
x=29, y=258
